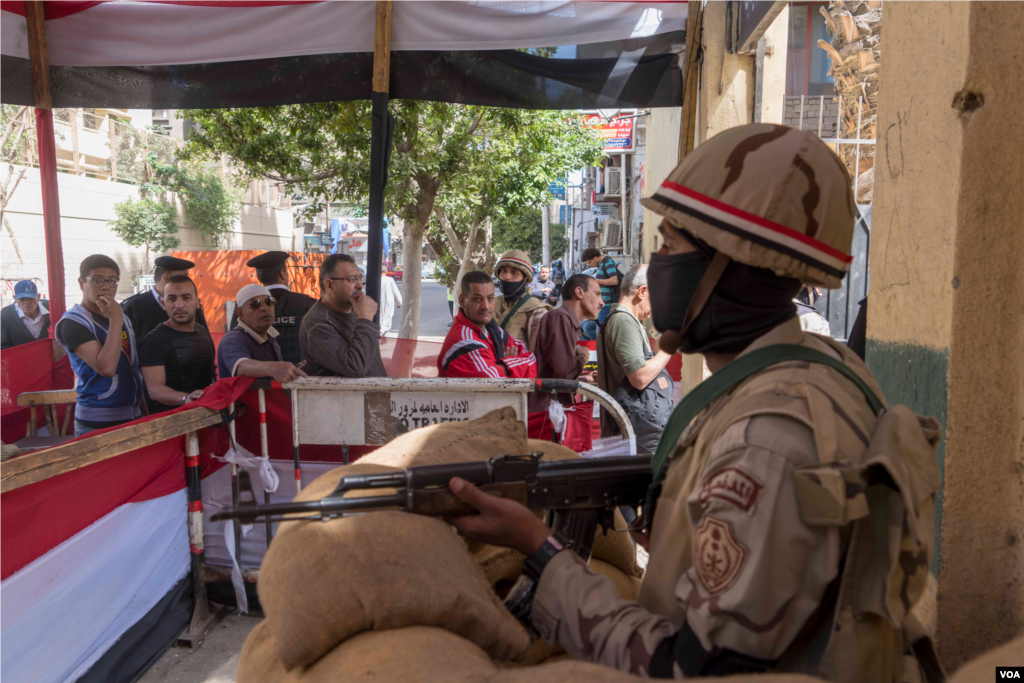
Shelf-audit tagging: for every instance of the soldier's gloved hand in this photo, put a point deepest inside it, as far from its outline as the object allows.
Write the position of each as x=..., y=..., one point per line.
x=500, y=521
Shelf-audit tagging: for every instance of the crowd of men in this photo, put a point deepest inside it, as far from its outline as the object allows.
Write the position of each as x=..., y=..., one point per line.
x=154, y=352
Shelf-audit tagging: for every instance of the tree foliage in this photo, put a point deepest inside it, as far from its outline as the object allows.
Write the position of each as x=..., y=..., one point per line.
x=146, y=222
x=474, y=162
x=151, y=221
x=523, y=230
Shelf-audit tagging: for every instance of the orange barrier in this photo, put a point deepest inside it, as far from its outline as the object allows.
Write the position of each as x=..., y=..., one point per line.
x=220, y=274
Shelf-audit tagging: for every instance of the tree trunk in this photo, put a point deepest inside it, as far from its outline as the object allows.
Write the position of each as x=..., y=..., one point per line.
x=479, y=252
x=412, y=271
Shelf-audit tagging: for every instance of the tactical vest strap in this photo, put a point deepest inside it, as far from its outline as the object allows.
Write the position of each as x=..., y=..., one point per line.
x=722, y=382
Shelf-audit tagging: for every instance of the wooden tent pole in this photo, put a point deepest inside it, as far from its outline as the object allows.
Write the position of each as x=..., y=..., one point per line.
x=36, y=23
x=691, y=76
x=378, y=149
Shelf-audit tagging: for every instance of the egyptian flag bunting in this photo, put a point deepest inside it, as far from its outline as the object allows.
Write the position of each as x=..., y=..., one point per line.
x=166, y=54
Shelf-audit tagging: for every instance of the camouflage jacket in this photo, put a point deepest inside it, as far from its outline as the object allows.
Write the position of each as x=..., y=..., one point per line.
x=746, y=547
x=525, y=324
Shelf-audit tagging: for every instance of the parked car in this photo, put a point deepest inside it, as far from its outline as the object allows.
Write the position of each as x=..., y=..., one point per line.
x=396, y=274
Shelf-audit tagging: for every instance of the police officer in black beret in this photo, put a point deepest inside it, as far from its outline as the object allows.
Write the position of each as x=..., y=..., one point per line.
x=289, y=307
x=145, y=310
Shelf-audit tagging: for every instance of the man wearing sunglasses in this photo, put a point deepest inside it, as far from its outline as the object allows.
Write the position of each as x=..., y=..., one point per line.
x=250, y=349
x=338, y=337
x=101, y=346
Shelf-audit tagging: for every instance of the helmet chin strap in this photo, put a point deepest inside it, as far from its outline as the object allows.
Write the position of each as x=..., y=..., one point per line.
x=671, y=340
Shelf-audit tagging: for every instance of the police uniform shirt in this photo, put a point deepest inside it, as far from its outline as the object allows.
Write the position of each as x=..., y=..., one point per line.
x=242, y=343
x=188, y=359
x=146, y=311
x=289, y=309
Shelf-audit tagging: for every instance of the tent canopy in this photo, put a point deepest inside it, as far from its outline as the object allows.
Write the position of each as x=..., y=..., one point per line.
x=164, y=54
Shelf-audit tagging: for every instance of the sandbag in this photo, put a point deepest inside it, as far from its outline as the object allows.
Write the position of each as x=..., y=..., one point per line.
x=982, y=668
x=416, y=654
x=259, y=662
x=324, y=582
x=628, y=587
x=498, y=432
x=570, y=671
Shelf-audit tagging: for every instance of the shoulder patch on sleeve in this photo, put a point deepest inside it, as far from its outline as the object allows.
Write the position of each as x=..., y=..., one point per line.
x=733, y=485
x=718, y=556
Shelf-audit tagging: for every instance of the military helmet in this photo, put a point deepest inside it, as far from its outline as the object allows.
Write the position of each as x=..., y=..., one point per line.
x=517, y=259
x=769, y=196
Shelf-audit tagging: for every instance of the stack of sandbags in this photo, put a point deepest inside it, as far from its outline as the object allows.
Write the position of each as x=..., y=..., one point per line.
x=361, y=588
x=324, y=582
x=982, y=668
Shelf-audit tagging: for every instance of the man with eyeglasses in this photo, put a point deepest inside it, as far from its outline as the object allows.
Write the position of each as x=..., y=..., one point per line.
x=338, y=337
x=250, y=349
x=100, y=343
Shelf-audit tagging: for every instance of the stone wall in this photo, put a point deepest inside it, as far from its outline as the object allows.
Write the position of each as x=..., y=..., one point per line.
x=812, y=106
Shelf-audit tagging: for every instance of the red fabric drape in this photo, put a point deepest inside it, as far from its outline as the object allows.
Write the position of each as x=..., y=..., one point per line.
x=51, y=215
x=36, y=518
x=25, y=368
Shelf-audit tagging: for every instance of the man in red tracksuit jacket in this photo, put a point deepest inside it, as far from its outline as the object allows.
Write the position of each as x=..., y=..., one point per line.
x=476, y=346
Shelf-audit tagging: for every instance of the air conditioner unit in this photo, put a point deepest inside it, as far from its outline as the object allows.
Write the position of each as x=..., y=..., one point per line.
x=613, y=181
x=611, y=235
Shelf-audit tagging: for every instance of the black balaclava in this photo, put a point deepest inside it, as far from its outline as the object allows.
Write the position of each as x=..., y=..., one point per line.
x=746, y=303
x=512, y=291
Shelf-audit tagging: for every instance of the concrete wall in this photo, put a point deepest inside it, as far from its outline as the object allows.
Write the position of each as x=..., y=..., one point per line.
x=773, y=73
x=86, y=206
x=662, y=156
x=727, y=80
x=945, y=322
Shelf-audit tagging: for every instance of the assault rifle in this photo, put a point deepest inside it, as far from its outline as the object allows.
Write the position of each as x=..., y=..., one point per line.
x=578, y=495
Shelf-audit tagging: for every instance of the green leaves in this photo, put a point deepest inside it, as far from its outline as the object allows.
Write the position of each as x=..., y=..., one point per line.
x=211, y=207
x=146, y=222
x=475, y=161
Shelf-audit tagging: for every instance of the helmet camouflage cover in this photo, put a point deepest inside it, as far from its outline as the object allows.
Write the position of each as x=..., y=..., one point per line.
x=769, y=196
x=517, y=259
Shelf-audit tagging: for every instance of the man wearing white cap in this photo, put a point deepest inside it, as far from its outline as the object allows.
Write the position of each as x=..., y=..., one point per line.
x=250, y=349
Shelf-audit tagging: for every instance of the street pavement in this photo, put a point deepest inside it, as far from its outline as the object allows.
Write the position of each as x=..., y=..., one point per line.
x=434, y=315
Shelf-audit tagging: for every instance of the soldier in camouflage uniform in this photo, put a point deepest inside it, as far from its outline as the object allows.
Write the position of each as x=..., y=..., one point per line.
x=768, y=549
x=516, y=311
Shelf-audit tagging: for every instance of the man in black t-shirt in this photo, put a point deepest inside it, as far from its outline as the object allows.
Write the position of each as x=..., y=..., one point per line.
x=177, y=357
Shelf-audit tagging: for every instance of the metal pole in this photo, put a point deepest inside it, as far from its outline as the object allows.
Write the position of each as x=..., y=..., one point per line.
x=234, y=489
x=856, y=161
x=378, y=149
x=35, y=21
x=545, y=227
x=265, y=455
x=295, y=439
x=194, y=492
x=821, y=112
x=800, y=126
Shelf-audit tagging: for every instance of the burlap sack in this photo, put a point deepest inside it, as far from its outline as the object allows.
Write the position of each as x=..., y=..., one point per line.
x=323, y=582
x=259, y=662
x=417, y=654
x=628, y=587
x=584, y=672
x=496, y=433
x=982, y=668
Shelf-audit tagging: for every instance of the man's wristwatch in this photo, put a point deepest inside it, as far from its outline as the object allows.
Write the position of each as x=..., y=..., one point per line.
x=534, y=565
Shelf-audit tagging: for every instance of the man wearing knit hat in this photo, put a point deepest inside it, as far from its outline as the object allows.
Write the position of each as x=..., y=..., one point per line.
x=516, y=311
x=250, y=349
x=791, y=510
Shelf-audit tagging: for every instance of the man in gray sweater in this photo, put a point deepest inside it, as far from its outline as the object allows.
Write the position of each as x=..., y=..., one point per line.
x=338, y=337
